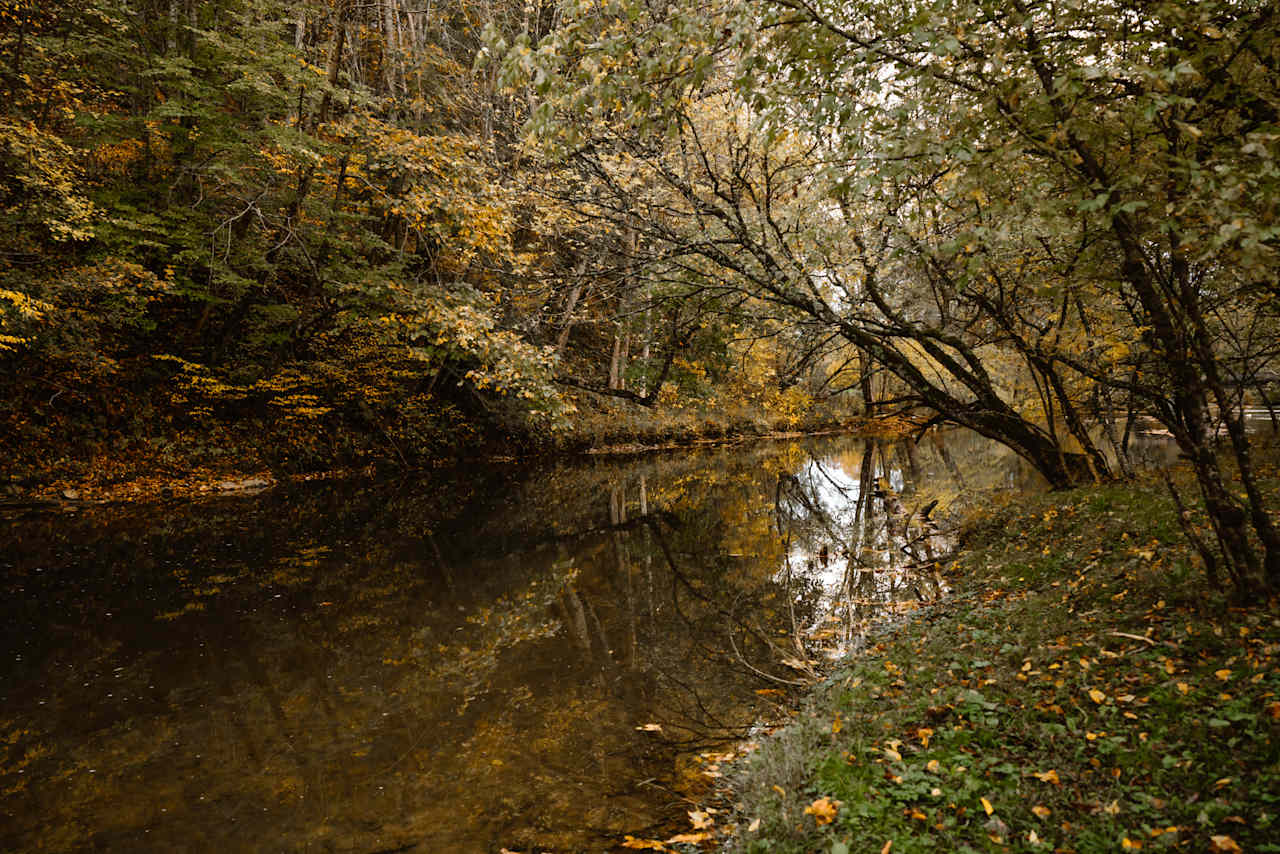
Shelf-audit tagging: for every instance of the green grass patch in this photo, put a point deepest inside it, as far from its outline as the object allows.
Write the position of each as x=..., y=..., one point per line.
x=1083, y=691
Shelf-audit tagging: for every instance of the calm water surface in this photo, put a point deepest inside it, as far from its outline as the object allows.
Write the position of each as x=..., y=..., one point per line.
x=540, y=659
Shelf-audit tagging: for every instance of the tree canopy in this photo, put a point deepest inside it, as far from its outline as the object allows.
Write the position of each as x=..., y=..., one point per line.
x=1038, y=217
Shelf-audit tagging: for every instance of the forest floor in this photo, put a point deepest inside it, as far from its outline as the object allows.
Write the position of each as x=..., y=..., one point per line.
x=1086, y=689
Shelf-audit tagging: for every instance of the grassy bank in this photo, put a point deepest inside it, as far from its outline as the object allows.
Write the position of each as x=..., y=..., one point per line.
x=1084, y=690
x=603, y=424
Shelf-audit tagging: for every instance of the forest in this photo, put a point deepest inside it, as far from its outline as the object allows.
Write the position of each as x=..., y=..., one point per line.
x=315, y=233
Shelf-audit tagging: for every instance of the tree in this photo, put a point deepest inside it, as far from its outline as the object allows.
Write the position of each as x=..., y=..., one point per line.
x=256, y=209
x=986, y=199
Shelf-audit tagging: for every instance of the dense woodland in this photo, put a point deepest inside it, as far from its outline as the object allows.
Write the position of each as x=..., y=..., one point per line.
x=333, y=229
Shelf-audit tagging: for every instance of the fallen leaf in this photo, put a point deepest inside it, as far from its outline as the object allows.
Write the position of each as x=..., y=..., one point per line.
x=1184, y=687
x=689, y=838
x=1096, y=695
x=893, y=754
x=754, y=826
x=1223, y=845
x=887, y=846
x=1223, y=674
x=1050, y=776
x=649, y=728
x=986, y=806
x=646, y=844
x=933, y=766
x=1130, y=844
x=823, y=810
x=700, y=820
x=1042, y=811
x=837, y=724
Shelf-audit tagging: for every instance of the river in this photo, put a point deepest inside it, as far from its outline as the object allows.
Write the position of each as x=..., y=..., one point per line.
x=534, y=658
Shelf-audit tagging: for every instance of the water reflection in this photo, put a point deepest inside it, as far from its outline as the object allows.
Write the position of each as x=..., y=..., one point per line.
x=537, y=660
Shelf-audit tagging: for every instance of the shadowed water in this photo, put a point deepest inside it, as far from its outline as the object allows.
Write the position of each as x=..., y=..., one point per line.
x=537, y=659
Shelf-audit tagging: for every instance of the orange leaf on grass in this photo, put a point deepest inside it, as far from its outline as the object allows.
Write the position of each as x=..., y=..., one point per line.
x=823, y=810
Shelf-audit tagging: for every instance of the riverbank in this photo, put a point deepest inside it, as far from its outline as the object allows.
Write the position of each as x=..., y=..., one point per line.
x=224, y=460
x=1086, y=689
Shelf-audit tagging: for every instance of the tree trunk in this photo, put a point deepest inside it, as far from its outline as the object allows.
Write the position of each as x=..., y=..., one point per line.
x=864, y=384
x=335, y=60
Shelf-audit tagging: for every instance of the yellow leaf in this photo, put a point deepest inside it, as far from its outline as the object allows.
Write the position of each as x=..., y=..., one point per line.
x=700, y=820
x=650, y=728
x=689, y=838
x=1130, y=844
x=1096, y=695
x=933, y=766
x=893, y=754
x=646, y=844
x=1223, y=845
x=1041, y=811
x=1050, y=776
x=823, y=810
x=986, y=806
x=1223, y=674
x=1184, y=687
x=837, y=724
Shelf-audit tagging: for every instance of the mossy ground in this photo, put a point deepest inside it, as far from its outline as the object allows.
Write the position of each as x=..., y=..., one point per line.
x=1084, y=690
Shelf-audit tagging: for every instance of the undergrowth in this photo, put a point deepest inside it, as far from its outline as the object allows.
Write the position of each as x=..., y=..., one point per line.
x=1084, y=691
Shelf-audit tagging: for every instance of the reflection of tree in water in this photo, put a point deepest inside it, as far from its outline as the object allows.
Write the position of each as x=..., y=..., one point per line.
x=455, y=664
x=864, y=531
